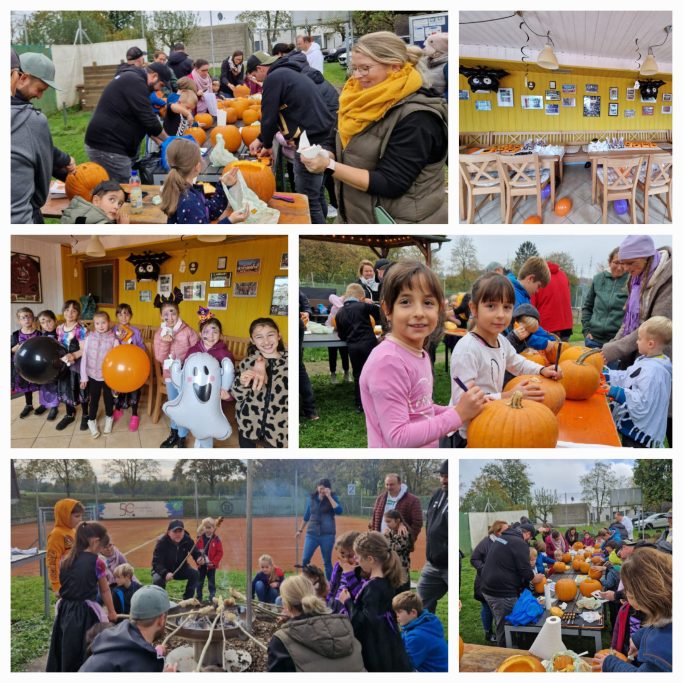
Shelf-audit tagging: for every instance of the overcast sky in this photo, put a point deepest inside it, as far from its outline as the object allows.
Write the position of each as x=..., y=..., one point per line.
x=166, y=468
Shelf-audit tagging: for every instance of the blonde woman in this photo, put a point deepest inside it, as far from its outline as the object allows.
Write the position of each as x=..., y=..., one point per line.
x=391, y=141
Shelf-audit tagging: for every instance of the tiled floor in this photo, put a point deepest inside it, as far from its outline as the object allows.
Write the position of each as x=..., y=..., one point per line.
x=576, y=185
x=35, y=431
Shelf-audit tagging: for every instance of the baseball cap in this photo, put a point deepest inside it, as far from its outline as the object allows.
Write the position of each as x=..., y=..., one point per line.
x=39, y=66
x=629, y=541
x=15, y=63
x=443, y=468
x=260, y=58
x=161, y=70
x=528, y=527
x=135, y=53
x=526, y=309
x=175, y=524
x=149, y=602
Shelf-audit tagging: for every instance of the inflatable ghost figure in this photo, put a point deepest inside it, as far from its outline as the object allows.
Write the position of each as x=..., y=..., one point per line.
x=198, y=405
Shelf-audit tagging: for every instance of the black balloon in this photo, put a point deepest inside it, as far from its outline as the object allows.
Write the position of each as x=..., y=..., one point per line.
x=39, y=360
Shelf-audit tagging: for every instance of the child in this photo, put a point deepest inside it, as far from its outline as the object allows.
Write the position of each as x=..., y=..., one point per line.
x=542, y=559
x=124, y=587
x=211, y=550
x=80, y=575
x=210, y=331
x=484, y=354
x=113, y=558
x=401, y=542
x=520, y=332
x=172, y=341
x=317, y=577
x=262, y=414
x=396, y=383
x=26, y=331
x=266, y=584
x=71, y=335
x=128, y=334
x=588, y=540
x=68, y=515
x=642, y=392
x=355, y=328
x=95, y=348
x=647, y=577
x=108, y=199
x=374, y=624
x=179, y=113
x=422, y=633
x=216, y=88
x=346, y=573
x=182, y=201
x=336, y=302
x=48, y=395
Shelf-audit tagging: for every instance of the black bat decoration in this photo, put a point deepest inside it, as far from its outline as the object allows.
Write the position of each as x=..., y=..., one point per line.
x=483, y=78
x=148, y=264
x=174, y=298
x=649, y=88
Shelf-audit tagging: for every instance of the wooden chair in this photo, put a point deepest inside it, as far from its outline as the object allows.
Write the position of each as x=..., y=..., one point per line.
x=161, y=392
x=147, y=332
x=150, y=383
x=479, y=174
x=617, y=178
x=238, y=346
x=655, y=180
x=522, y=177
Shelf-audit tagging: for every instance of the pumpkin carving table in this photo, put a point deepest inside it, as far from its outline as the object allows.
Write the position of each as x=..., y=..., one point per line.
x=482, y=658
x=588, y=422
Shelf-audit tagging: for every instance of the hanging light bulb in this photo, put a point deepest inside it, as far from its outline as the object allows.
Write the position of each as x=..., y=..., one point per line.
x=649, y=67
x=94, y=247
x=547, y=59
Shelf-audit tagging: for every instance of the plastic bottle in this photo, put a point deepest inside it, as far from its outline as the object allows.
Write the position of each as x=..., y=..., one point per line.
x=135, y=193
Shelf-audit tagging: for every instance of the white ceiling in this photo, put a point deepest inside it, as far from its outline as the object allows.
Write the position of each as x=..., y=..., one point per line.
x=591, y=39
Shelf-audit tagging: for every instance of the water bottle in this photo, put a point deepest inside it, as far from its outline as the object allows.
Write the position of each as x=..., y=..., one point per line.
x=135, y=193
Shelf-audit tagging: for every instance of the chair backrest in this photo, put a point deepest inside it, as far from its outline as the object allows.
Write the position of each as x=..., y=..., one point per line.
x=659, y=170
x=520, y=171
x=147, y=332
x=483, y=138
x=620, y=173
x=238, y=346
x=479, y=170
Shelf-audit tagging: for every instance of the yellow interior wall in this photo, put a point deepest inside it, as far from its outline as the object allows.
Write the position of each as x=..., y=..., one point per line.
x=515, y=118
x=240, y=312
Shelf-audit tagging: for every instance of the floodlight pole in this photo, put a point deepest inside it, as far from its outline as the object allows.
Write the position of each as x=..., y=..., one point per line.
x=296, y=515
x=250, y=614
x=213, y=54
x=196, y=503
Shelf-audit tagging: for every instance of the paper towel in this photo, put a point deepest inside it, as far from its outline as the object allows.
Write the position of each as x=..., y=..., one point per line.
x=549, y=640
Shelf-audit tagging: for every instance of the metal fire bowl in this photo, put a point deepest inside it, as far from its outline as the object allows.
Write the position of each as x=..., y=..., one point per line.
x=200, y=635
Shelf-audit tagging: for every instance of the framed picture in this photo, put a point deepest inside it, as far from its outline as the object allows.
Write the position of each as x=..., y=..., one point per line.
x=129, y=285
x=220, y=280
x=249, y=265
x=591, y=87
x=613, y=109
x=630, y=94
x=648, y=111
x=552, y=109
x=278, y=302
x=218, y=301
x=482, y=105
x=532, y=102
x=25, y=277
x=591, y=105
x=569, y=101
x=464, y=94
x=629, y=113
x=222, y=263
x=614, y=93
x=506, y=97
x=552, y=95
x=165, y=285
x=193, y=291
x=667, y=97
x=245, y=289
x=145, y=295
x=552, y=85
x=666, y=109
x=568, y=89
x=284, y=261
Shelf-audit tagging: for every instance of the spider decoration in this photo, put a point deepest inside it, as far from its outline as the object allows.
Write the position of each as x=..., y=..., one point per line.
x=483, y=78
x=148, y=264
x=649, y=88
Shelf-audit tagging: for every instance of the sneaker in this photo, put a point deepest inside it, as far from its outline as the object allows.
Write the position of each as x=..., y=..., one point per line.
x=25, y=412
x=117, y=414
x=333, y=378
x=108, y=424
x=181, y=442
x=171, y=441
x=312, y=418
x=40, y=410
x=92, y=426
x=52, y=414
x=347, y=378
x=84, y=423
x=331, y=211
x=134, y=423
x=65, y=422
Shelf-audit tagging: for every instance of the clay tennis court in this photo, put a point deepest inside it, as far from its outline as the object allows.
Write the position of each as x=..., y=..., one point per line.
x=135, y=538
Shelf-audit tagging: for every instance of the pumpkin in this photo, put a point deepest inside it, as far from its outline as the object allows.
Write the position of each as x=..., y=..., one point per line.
x=596, y=559
x=204, y=120
x=535, y=356
x=249, y=116
x=594, y=572
x=258, y=176
x=576, y=564
x=579, y=378
x=553, y=392
x=575, y=352
x=513, y=423
x=530, y=323
x=556, y=612
x=523, y=663
x=585, y=568
x=230, y=115
x=540, y=586
x=551, y=351
x=559, y=568
x=250, y=133
x=562, y=663
x=84, y=179
x=577, y=546
x=241, y=91
x=565, y=590
x=231, y=137
x=566, y=558
x=588, y=586
x=607, y=651
x=198, y=134
x=240, y=104
x=462, y=647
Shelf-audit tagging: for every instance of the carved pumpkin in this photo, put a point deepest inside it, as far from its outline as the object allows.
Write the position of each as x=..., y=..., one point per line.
x=576, y=564
x=565, y=590
x=596, y=559
x=241, y=91
x=530, y=323
x=562, y=663
x=513, y=423
x=84, y=180
x=585, y=568
x=249, y=116
x=204, y=120
x=607, y=651
x=575, y=352
x=540, y=586
x=521, y=663
x=559, y=568
x=198, y=134
x=551, y=351
x=588, y=586
x=250, y=133
x=594, y=573
x=535, y=356
x=553, y=391
x=231, y=137
x=579, y=378
x=258, y=176
x=577, y=546
x=566, y=558
x=556, y=612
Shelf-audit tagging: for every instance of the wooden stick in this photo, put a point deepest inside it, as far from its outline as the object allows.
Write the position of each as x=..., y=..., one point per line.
x=174, y=631
x=246, y=633
x=208, y=641
x=219, y=521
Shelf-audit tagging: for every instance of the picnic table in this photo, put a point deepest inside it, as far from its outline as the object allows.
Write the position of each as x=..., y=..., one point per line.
x=588, y=422
x=312, y=341
x=481, y=658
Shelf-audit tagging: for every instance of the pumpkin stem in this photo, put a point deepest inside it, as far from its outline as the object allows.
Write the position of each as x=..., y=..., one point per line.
x=516, y=400
x=580, y=360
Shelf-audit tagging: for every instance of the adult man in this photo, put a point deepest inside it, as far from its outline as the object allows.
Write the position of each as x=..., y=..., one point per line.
x=129, y=646
x=134, y=57
x=506, y=573
x=124, y=115
x=396, y=497
x=667, y=536
x=293, y=104
x=311, y=49
x=179, y=61
x=15, y=71
x=621, y=518
x=495, y=267
x=433, y=583
x=170, y=555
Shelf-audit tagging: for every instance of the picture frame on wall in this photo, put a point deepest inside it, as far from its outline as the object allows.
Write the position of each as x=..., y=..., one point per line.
x=532, y=102
x=245, y=290
x=552, y=95
x=506, y=97
x=568, y=89
x=614, y=93
x=193, y=291
x=630, y=94
x=145, y=295
x=284, y=261
x=552, y=85
x=165, y=285
x=279, y=300
x=569, y=101
x=222, y=263
x=613, y=109
x=629, y=113
x=666, y=109
x=592, y=87
x=221, y=279
x=482, y=105
x=218, y=301
x=591, y=106
x=249, y=265
x=552, y=109
x=648, y=111
x=129, y=285
x=464, y=94
x=667, y=97
x=25, y=277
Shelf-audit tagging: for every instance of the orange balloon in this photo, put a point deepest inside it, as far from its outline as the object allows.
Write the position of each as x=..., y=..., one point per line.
x=563, y=206
x=125, y=368
x=533, y=219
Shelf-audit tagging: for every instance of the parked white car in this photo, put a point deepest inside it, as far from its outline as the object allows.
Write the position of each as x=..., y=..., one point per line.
x=656, y=521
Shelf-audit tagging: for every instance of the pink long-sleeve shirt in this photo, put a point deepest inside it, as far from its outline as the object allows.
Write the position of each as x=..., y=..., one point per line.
x=396, y=390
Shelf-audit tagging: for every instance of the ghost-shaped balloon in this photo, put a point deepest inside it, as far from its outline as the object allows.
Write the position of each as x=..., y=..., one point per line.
x=198, y=405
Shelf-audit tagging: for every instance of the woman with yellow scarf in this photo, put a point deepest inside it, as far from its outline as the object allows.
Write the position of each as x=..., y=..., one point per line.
x=391, y=141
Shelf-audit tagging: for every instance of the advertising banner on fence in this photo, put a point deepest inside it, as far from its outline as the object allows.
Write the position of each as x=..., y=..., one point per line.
x=141, y=509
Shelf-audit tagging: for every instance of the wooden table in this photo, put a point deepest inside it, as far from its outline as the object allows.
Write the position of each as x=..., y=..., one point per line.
x=482, y=658
x=312, y=341
x=588, y=422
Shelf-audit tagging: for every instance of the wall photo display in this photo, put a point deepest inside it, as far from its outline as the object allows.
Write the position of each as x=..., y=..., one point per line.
x=569, y=101
x=591, y=105
x=278, y=303
x=552, y=95
x=482, y=105
x=630, y=94
x=506, y=97
x=614, y=93
x=25, y=277
x=532, y=102
x=613, y=109
x=248, y=265
x=245, y=289
x=221, y=279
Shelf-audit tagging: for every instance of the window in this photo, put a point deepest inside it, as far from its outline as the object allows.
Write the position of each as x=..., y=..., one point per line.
x=101, y=279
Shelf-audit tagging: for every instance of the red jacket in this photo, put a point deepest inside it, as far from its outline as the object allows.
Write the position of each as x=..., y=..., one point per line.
x=554, y=301
x=214, y=551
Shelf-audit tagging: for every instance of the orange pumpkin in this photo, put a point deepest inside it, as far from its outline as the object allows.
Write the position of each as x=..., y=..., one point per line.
x=249, y=116
x=540, y=586
x=240, y=104
x=566, y=558
x=551, y=351
x=230, y=115
x=565, y=589
x=84, y=179
x=579, y=379
x=204, y=120
x=198, y=134
x=533, y=219
x=585, y=568
x=562, y=663
x=596, y=559
x=576, y=564
x=575, y=352
x=522, y=663
x=594, y=572
x=588, y=586
x=529, y=322
x=250, y=133
x=563, y=206
x=577, y=546
x=242, y=91
x=513, y=423
x=607, y=651
x=559, y=568
x=258, y=176
x=231, y=137
x=553, y=392
x=535, y=356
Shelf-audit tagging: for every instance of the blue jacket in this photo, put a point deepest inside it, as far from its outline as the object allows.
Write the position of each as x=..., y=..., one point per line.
x=196, y=207
x=425, y=644
x=320, y=515
x=654, y=651
x=541, y=560
x=540, y=338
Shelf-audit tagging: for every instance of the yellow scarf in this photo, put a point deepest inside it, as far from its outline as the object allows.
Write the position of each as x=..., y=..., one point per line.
x=359, y=107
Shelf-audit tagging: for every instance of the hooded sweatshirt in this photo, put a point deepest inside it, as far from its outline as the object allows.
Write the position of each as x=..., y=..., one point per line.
x=507, y=570
x=328, y=92
x=82, y=211
x=60, y=539
x=540, y=338
x=180, y=63
x=425, y=643
x=554, y=301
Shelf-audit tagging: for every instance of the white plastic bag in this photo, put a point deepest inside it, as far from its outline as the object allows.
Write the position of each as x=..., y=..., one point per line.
x=240, y=197
x=220, y=156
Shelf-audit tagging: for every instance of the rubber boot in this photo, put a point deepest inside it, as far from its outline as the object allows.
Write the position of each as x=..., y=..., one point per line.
x=108, y=424
x=171, y=441
x=94, y=431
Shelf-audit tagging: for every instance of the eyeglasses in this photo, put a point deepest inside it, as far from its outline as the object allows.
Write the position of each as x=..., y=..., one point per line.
x=362, y=70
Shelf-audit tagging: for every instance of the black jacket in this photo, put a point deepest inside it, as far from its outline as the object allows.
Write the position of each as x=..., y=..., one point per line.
x=353, y=322
x=168, y=556
x=327, y=91
x=437, y=530
x=478, y=560
x=123, y=649
x=507, y=570
x=124, y=115
x=227, y=76
x=180, y=63
x=369, y=293
x=292, y=104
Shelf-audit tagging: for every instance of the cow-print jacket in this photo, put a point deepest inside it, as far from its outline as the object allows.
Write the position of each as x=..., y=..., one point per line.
x=263, y=415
